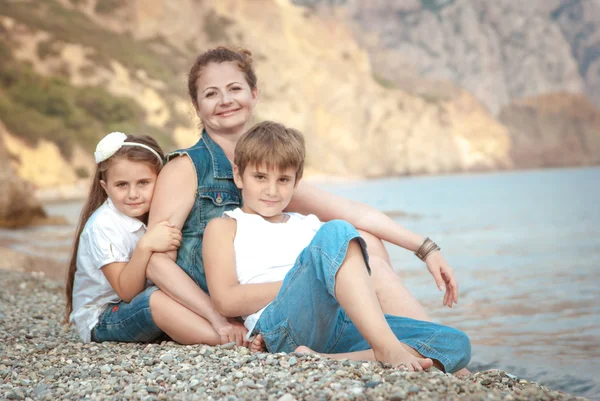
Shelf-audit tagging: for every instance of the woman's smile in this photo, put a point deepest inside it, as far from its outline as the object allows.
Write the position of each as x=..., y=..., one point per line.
x=227, y=113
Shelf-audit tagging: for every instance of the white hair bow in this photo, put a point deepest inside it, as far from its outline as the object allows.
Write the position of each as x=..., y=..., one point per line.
x=109, y=145
x=112, y=142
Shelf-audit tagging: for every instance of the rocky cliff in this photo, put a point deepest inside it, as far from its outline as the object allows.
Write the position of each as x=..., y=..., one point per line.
x=553, y=130
x=499, y=50
x=138, y=52
x=18, y=206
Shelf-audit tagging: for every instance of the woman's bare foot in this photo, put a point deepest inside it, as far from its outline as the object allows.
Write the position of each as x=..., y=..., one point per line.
x=258, y=344
x=305, y=350
x=463, y=372
x=398, y=356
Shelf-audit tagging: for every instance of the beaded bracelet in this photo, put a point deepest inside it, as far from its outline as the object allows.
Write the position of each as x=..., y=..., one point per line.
x=426, y=248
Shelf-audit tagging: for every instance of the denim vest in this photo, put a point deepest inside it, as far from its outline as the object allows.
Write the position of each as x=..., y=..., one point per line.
x=216, y=194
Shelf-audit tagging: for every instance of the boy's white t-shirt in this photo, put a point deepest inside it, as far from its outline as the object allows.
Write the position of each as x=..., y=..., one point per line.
x=265, y=252
x=108, y=236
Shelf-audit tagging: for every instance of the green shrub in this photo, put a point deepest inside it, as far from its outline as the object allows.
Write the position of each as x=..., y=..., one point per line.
x=82, y=172
x=65, y=24
x=107, y=6
x=107, y=108
x=36, y=107
x=215, y=27
x=46, y=49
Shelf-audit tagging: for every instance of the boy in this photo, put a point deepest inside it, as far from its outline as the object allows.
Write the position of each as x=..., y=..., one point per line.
x=299, y=282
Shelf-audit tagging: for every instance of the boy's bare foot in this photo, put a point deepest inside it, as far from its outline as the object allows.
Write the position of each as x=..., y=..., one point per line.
x=258, y=344
x=398, y=356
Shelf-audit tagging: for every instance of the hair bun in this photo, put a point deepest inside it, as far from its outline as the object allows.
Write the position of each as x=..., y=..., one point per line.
x=246, y=54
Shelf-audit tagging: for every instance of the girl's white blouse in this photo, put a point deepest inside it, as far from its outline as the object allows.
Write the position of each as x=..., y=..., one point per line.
x=109, y=236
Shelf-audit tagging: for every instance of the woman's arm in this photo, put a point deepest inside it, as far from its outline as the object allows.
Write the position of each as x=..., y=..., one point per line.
x=309, y=199
x=129, y=278
x=327, y=206
x=173, y=199
x=230, y=297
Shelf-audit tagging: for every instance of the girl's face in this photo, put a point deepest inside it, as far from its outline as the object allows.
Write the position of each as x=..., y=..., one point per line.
x=266, y=192
x=225, y=100
x=130, y=186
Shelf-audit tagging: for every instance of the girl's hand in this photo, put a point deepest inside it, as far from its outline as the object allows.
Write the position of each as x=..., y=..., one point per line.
x=444, y=277
x=163, y=237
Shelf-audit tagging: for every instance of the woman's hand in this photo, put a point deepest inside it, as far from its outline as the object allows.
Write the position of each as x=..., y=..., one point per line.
x=163, y=237
x=444, y=277
x=231, y=330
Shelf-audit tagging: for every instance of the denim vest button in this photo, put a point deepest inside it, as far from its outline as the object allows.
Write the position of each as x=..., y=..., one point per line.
x=219, y=199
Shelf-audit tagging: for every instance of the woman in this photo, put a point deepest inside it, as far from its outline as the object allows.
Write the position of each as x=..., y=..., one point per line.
x=197, y=186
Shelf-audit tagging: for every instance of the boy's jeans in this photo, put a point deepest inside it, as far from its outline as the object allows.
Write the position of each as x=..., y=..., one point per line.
x=305, y=312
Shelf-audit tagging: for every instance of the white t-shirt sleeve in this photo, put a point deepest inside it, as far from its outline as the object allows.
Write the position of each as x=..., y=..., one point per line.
x=313, y=222
x=106, y=246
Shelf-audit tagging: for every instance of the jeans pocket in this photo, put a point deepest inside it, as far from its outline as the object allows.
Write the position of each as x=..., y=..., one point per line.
x=281, y=339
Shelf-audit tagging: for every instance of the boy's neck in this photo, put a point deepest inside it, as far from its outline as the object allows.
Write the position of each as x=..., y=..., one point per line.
x=278, y=218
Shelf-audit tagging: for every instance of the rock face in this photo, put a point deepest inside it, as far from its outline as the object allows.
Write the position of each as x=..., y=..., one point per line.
x=354, y=123
x=553, y=130
x=18, y=205
x=498, y=50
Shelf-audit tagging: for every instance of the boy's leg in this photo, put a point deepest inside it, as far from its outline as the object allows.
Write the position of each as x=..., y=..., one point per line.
x=356, y=294
x=448, y=347
x=394, y=297
x=306, y=311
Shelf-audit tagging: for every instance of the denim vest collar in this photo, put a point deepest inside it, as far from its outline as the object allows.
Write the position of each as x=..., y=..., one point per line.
x=220, y=162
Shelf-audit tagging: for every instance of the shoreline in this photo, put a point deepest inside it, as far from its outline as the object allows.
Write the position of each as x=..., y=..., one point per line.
x=79, y=190
x=42, y=359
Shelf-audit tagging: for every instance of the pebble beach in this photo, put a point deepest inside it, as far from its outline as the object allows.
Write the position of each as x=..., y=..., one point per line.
x=40, y=359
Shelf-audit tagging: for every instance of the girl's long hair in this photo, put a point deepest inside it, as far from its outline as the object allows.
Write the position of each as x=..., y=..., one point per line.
x=97, y=196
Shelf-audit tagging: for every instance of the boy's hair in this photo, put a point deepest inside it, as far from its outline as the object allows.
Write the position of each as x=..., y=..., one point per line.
x=97, y=196
x=272, y=145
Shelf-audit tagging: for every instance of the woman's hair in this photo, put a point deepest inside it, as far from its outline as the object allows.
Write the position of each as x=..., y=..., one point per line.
x=97, y=195
x=218, y=55
x=272, y=145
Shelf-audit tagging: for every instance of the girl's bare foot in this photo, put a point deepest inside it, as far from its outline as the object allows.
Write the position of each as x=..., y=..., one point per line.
x=258, y=344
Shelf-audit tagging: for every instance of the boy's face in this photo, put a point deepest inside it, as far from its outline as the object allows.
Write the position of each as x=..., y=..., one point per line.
x=266, y=192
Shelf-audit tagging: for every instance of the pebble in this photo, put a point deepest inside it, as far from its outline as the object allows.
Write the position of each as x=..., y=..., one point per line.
x=40, y=359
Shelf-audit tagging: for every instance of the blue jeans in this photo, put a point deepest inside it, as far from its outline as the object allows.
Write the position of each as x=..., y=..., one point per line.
x=306, y=312
x=128, y=322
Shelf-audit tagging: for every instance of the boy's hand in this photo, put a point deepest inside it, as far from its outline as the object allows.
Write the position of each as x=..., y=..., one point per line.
x=163, y=237
x=231, y=330
x=444, y=277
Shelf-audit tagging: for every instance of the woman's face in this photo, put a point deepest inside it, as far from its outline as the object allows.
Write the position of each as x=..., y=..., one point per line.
x=225, y=100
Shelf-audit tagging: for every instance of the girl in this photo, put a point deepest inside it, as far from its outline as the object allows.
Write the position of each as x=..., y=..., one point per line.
x=298, y=282
x=108, y=297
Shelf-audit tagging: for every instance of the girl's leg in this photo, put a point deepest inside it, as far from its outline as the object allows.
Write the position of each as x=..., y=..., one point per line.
x=180, y=323
x=356, y=295
x=394, y=297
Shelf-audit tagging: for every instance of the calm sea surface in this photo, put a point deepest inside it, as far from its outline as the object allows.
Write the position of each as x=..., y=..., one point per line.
x=525, y=247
